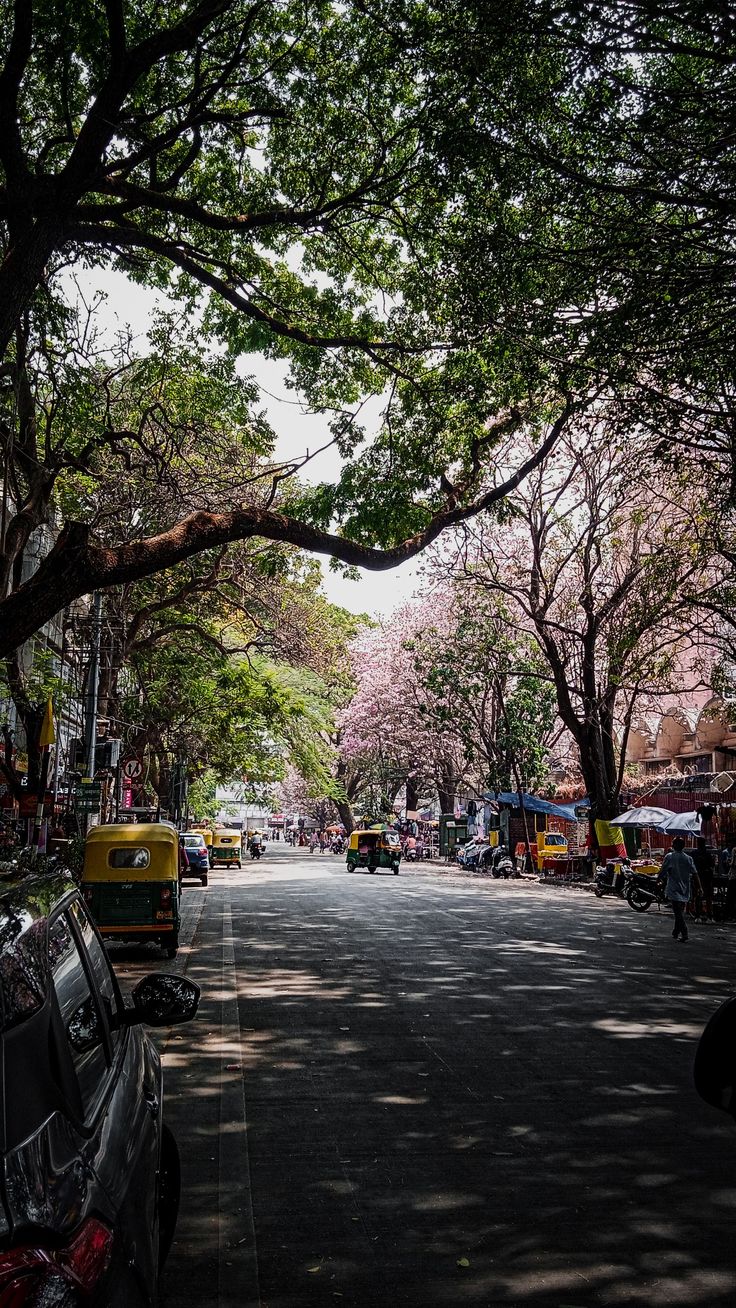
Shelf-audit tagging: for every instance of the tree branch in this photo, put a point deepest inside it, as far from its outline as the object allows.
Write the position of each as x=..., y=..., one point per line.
x=78, y=564
x=19, y=53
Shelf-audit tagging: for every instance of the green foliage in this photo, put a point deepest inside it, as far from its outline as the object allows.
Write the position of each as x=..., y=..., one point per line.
x=487, y=685
x=202, y=802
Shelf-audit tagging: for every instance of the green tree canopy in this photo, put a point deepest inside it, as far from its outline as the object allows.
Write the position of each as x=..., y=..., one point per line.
x=484, y=214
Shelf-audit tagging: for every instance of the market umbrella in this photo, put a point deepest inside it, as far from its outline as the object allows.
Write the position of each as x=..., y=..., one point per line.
x=644, y=817
x=682, y=824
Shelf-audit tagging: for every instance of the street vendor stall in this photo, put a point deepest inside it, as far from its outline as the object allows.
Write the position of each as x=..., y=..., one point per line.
x=552, y=831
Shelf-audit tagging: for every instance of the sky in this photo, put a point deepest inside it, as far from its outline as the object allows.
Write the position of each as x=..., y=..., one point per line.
x=128, y=305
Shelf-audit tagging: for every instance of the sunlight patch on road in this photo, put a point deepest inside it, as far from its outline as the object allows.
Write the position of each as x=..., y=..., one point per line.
x=401, y=1099
x=546, y=947
x=638, y=1030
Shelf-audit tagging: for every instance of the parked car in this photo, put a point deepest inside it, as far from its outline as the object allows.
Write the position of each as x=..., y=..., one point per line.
x=90, y=1171
x=198, y=855
x=715, y=1059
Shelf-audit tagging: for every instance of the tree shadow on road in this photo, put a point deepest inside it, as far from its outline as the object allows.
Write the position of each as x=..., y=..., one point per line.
x=461, y=1099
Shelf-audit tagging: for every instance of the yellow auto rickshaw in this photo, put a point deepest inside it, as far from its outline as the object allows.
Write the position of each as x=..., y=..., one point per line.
x=373, y=849
x=226, y=848
x=207, y=833
x=131, y=882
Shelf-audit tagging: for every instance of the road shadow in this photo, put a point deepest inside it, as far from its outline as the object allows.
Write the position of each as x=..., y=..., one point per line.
x=456, y=1097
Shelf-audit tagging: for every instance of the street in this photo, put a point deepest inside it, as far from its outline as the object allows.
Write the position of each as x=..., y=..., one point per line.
x=439, y=1090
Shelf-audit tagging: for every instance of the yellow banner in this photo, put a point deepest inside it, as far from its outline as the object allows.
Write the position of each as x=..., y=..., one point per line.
x=610, y=839
x=48, y=735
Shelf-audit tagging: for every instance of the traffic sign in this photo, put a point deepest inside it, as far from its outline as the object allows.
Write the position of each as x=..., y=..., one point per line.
x=132, y=768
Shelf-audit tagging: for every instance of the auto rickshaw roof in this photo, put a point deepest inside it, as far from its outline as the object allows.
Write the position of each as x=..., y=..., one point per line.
x=133, y=833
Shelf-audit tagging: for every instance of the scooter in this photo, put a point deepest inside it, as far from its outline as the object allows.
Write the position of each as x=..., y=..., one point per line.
x=503, y=868
x=410, y=855
x=642, y=891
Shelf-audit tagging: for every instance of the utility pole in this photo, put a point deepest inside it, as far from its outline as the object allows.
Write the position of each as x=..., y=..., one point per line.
x=93, y=681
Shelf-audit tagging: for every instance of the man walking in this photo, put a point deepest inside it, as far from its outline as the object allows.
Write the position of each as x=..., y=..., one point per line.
x=679, y=873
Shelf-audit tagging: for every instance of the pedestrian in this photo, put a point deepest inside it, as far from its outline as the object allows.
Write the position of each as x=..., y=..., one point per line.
x=680, y=876
x=705, y=866
x=322, y=841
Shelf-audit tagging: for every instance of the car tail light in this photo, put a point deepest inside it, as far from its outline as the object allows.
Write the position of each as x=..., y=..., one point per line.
x=33, y=1277
x=165, y=896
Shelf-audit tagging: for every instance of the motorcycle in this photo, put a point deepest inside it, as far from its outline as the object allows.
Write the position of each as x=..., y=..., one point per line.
x=255, y=851
x=411, y=855
x=642, y=891
x=612, y=879
x=503, y=867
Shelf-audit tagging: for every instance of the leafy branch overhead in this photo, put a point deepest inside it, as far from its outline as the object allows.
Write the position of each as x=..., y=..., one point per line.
x=481, y=219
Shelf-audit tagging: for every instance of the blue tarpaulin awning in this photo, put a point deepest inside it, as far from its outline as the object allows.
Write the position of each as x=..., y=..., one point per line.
x=534, y=805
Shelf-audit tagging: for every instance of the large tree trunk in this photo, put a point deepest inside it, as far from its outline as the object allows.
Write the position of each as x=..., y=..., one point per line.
x=412, y=794
x=446, y=786
x=600, y=785
x=347, y=816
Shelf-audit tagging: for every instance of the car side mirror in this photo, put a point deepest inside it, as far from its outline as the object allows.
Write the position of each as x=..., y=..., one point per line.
x=162, y=999
x=714, y=1071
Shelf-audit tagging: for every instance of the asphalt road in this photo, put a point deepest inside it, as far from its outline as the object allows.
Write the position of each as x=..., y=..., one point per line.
x=439, y=1090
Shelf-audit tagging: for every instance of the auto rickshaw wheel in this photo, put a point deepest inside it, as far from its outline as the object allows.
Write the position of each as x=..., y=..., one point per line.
x=396, y=871
x=204, y=879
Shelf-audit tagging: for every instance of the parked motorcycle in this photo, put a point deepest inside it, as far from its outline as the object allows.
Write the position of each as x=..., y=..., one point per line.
x=613, y=879
x=504, y=867
x=642, y=891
